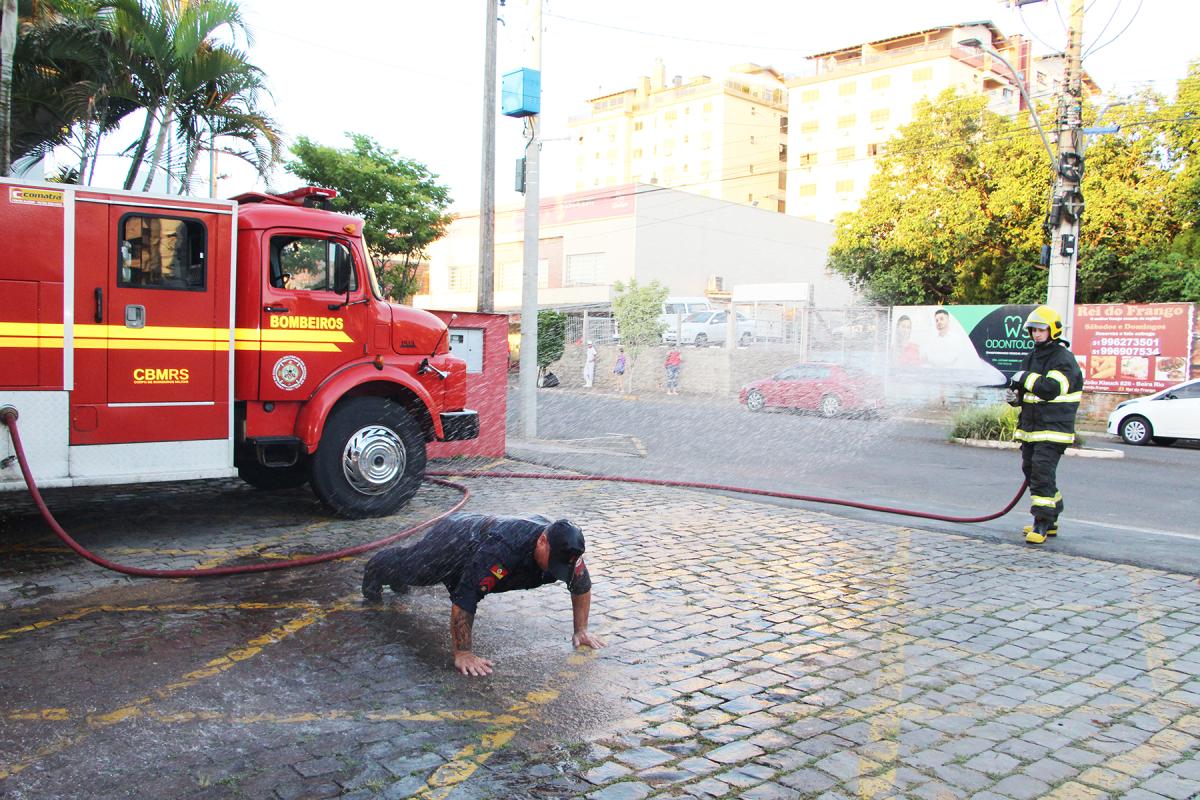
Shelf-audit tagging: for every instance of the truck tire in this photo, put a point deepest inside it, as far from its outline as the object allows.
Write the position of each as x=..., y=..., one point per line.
x=270, y=478
x=370, y=460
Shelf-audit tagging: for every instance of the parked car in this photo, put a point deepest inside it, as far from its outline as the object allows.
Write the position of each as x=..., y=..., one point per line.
x=676, y=309
x=828, y=388
x=1162, y=417
x=708, y=327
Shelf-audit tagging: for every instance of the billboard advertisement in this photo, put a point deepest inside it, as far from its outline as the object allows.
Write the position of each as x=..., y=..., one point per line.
x=1121, y=347
x=1133, y=348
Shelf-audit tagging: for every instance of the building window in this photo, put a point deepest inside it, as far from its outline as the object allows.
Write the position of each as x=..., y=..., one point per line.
x=751, y=138
x=783, y=124
x=671, y=116
x=845, y=153
x=585, y=269
x=844, y=187
x=881, y=82
x=922, y=74
x=637, y=126
x=848, y=88
x=876, y=149
x=808, y=190
x=461, y=277
x=846, y=121
x=807, y=159
x=810, y=95
x=509, y=275
x=707, y=108
x=637, y=152
x=879, y=116
x=808, y=126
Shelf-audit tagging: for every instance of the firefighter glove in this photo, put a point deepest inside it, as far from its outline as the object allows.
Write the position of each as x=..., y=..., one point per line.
x=1012, y=397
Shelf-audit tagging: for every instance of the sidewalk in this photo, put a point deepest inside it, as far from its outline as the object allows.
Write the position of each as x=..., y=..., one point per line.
x=754, y=651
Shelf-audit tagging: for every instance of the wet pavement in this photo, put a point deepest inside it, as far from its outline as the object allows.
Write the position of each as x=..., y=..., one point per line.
x=755, y=651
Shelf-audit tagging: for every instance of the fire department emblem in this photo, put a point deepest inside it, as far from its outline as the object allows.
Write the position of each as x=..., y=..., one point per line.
x=289, y=373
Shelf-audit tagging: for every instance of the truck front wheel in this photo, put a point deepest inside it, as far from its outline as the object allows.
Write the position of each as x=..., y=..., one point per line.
x=370, y=460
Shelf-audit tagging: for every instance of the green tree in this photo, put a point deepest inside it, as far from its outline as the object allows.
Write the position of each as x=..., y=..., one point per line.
x=955, y=206
x=551, y=338
x=400, y=201
x=637, y=309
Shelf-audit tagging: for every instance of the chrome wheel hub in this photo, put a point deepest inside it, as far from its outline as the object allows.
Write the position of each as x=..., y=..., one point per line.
x=374, y=459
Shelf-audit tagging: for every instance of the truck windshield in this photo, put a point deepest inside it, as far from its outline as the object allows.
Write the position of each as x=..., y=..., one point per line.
x=371, y=276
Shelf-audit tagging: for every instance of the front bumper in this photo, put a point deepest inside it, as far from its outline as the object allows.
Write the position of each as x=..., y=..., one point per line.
x=459, y=426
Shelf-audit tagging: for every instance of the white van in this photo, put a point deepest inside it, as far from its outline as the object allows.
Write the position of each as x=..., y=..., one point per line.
x=675, y=310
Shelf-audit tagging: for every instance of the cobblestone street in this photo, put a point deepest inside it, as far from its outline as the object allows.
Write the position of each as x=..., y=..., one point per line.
x=754, y=650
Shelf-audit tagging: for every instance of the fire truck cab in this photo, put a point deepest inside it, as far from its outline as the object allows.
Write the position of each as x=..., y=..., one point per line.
x=149, y=338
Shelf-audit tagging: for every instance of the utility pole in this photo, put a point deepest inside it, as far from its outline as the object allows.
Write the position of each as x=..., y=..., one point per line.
x=529, y=283
x=487, y=191
x=1066, y=211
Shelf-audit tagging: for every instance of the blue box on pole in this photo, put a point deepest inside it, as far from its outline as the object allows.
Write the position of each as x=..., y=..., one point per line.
x=521, y=93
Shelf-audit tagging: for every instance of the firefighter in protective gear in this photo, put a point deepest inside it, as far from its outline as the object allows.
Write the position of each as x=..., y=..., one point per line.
x=1047, y=390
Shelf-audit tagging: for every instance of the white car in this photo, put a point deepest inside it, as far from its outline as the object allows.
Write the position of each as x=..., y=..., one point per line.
x=1161, y=418
x=708, y=327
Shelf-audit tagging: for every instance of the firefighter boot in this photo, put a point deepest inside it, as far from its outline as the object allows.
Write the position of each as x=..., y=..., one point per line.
x=1040, y=530
x=1051, y=531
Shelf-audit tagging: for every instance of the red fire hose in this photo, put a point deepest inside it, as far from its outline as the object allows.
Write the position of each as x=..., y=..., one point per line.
x=9, y=417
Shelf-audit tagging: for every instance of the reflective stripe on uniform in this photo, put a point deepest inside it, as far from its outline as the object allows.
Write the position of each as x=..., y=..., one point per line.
x=1030, y=380
x=1059, y=437
x=1062, y=381
x=1073, y=397
x=1047, y=502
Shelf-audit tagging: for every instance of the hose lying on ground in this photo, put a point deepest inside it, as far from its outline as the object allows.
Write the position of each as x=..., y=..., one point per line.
x=9, y=418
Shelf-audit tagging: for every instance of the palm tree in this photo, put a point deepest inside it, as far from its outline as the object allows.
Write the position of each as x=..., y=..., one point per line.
x=175, y=59
x=70, y=83
x=225, y=106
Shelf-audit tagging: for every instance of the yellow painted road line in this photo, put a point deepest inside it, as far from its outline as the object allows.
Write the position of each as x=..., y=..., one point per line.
x=80, y=613
x=139, y=707
x=889, y=678
x=448, y=777
x=300, y=717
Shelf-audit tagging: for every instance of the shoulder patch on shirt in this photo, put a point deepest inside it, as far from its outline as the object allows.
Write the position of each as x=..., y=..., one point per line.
x=487, y=584
x=579, y=566
x=499, y=571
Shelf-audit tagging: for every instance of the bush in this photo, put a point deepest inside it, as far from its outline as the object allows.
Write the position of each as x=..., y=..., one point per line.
x=995, y=423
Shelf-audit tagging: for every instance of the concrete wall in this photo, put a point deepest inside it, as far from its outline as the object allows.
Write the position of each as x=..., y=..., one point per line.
x=683, y=239
x=710, y=371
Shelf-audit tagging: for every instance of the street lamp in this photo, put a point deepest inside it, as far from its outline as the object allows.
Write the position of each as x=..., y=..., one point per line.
x=978, y=45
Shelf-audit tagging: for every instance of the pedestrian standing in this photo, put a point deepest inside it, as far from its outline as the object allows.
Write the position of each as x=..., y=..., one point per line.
x=673, y=363
x=1047, y=390
x=619, y=368
x=589, y=366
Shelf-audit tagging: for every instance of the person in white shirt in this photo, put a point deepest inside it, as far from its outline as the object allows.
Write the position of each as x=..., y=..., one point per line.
x=589, y=366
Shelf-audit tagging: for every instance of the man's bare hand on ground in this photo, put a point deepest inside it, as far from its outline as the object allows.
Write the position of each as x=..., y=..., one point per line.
x=470, y=664
x=585, y=639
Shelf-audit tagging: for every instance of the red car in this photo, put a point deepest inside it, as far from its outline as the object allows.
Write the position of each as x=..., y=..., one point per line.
x=829, y=388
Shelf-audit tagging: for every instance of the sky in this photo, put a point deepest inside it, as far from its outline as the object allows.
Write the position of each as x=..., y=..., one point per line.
x=410, y=74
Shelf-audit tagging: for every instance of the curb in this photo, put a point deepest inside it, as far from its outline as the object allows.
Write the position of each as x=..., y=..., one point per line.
x=1082, y=452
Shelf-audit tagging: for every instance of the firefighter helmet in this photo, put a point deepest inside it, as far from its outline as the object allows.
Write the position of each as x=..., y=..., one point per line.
x=1045, y=317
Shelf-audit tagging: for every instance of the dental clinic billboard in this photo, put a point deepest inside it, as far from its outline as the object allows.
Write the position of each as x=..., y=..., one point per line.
x=1121, y=347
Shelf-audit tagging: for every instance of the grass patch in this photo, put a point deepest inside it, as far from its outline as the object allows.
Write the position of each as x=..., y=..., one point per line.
x=995, y=423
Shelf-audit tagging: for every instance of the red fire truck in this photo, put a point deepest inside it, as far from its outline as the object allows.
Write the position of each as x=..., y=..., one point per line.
x=148, y=338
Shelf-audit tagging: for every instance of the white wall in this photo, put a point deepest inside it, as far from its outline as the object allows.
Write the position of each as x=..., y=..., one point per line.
x=683, y=239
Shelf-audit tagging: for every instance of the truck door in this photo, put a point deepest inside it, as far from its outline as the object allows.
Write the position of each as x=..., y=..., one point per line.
x=159, y=339
x=307, y=327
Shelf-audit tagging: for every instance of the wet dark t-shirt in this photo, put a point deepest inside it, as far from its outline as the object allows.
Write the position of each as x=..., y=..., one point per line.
x=475, y=555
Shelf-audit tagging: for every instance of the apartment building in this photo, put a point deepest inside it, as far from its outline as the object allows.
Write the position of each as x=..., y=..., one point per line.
x=590, y=240
x=721, y=137
x=842, y=116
